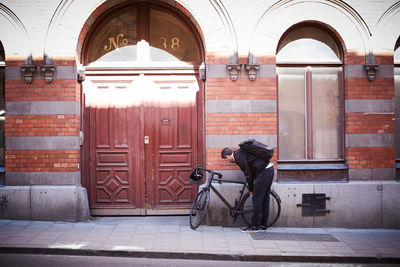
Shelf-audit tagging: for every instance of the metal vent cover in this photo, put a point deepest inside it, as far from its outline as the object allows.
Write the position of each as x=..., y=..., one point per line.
x=294, y=237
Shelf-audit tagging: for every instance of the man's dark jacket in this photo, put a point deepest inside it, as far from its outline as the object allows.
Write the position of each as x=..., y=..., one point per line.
x=250, y=165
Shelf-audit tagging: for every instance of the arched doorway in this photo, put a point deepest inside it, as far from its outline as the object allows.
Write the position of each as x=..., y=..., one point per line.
x=142, y=113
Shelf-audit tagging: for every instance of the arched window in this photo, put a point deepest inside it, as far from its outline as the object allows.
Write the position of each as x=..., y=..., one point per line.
x=142, y=34
x=309, y=63
x=397, y=103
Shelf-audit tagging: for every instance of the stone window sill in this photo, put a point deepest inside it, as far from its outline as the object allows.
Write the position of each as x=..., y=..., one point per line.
x=311, y=166
x=312, y=171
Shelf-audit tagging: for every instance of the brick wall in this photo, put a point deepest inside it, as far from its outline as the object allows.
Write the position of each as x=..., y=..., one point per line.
x=365, y=123
x=42, y=124
x=219, y=87
x=40, y=90
x=238, y=115
x=370, y=158
x=361, y=88
x=42, y=160
x=241, y=123
x=373, y=122
x=242, y=88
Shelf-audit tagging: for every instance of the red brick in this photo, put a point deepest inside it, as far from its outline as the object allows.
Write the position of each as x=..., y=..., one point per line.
x=40, y=90
x=367, y=123
x=353, y=57
x=42, y=125
x=370, y=157
x=362, y=88
x=42, y=160
x=242, y=88
x=241, y=123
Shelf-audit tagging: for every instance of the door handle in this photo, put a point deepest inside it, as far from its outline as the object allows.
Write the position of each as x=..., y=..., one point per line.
x=146, y=140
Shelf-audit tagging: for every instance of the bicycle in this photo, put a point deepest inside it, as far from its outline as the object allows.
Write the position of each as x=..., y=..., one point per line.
x=243, y=205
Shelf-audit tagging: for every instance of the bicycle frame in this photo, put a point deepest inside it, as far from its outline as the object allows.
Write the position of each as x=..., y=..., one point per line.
x=241, y=207
x=233, y=209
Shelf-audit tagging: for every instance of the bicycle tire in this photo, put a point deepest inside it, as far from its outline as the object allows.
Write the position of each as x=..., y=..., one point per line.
x=246, y=208
x=199, y=209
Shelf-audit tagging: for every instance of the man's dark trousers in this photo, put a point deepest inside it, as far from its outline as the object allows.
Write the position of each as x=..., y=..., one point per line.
x=262, y=185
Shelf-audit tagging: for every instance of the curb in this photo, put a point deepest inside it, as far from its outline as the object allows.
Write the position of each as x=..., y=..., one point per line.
x=202, y=256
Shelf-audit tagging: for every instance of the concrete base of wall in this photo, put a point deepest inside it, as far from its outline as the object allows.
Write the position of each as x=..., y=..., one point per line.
x=44, y=203
x=372, y=204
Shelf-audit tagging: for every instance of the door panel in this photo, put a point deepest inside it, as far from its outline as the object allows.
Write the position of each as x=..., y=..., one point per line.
x=173, y=143
x=114, y=149
x=127, y=176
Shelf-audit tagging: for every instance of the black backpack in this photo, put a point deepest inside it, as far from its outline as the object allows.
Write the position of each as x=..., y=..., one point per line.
x=258, y=149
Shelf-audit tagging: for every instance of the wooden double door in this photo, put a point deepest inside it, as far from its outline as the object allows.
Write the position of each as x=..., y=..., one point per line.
x=141, y=142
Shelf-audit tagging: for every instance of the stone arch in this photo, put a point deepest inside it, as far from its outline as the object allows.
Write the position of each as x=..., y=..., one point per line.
x=71, y=22
x=17, y=47
x=387, y=30
x=106, y=7
x=342, y=20
x=227, y=22
x=326, y=28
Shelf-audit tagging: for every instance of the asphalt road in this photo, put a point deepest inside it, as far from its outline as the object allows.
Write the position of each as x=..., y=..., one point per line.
x=35, y=260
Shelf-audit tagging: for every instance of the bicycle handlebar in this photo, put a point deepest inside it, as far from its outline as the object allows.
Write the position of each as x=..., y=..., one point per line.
x=220, y=180
x=210, y=171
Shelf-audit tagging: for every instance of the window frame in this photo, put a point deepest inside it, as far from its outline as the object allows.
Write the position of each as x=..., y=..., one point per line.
x=310, y=162
x=143, y=28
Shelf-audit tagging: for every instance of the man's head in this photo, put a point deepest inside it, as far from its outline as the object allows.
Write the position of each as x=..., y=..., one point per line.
x=227, y=154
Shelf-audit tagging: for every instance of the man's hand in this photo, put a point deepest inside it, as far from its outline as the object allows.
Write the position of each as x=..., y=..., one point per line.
x=251, y=193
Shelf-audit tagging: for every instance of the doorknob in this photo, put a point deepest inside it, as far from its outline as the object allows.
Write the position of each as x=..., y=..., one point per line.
x=146, y=139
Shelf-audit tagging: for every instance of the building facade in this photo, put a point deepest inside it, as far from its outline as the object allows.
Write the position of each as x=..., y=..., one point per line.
x=107, y=106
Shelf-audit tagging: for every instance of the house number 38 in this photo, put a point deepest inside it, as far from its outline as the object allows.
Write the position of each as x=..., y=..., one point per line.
x=173, y=43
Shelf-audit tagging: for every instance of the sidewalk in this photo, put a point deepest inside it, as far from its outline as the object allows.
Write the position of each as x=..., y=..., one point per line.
x=171, y=237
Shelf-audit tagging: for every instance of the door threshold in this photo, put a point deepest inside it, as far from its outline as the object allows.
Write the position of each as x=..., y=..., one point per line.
x=168, y=212
x=117, y=212
x=137, y=212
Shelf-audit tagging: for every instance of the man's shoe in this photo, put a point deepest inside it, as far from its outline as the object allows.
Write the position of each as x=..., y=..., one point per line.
x=263, y=227
x=250, y=229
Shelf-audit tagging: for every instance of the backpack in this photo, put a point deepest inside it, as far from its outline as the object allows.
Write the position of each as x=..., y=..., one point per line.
x=258, y=149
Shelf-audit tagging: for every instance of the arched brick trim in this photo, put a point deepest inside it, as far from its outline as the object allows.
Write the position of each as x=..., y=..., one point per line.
x=227, y=21
x=108, y=5
x=273, y=24
x=20, y=43
x=387, y=30
x=327, y=28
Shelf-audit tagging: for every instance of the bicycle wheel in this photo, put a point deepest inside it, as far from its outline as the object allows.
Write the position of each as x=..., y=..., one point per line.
x=199, y=208
x=246, y=207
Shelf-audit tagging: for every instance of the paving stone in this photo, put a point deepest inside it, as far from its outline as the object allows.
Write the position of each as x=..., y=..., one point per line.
x=158, y=236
